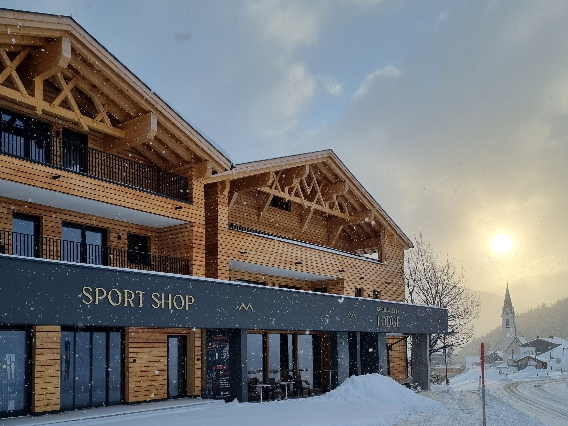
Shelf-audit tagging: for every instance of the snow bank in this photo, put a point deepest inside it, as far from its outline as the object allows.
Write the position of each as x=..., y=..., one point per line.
x=375, y=389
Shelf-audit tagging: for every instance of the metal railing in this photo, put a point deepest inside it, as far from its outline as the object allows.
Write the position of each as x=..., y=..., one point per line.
x=14, y=243
x=72, y=155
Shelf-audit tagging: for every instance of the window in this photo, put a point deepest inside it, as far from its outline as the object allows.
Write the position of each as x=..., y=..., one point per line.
x=507, y=323
x=25, y=235
x=91, y=368
x=14, y=373
x=358, y=292
x=138, y=249
x=82, y=244
x=281, y=203
x=320, y=290
x=74, y=151
x=24, y=137
x=376, y=294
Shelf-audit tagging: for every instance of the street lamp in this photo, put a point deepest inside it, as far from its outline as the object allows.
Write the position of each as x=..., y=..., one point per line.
x=563, y=359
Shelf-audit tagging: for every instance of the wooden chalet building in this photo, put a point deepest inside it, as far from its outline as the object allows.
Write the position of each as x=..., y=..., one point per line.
x=137, y=263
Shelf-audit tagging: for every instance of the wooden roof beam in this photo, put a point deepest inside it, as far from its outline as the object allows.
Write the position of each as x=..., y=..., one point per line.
x=335, y=226
x=306, y=219
x=203, y=170
x=361, y=217
x=10, y=69
x=330, y=192
x=104, y=86
x=252, y=182
x=13, y=40
x=138, y=131
x=288, y=177
x=174, y=145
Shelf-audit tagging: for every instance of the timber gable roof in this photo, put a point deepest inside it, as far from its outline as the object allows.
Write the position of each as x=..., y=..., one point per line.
x=54, y=69
x=319, y=181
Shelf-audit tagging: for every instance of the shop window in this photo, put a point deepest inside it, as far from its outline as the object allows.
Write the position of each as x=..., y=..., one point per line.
x=83, y=244
x=14, y=373
x=280, y=203
x=358, y=292
x=320, y=289
x=25, y=235
x=138, y=249
x=91, y=369
x=24, y=137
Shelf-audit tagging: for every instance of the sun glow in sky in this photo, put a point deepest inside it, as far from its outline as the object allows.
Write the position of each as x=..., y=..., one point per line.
x=501, y=243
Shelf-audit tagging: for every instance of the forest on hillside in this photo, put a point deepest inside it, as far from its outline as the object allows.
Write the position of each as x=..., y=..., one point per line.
x=543, y=321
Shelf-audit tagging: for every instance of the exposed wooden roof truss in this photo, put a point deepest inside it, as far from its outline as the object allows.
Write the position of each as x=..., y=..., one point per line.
x=60, y=75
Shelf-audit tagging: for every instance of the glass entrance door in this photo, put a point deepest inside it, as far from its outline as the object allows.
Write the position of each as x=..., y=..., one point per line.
x=177, y=366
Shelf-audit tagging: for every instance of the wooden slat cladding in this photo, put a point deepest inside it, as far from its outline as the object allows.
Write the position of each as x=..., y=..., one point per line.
x=333, y=286
x=46, y=343
x=397, y=357
x=146, y=357
x=171, y=241
x=216, y=223
x=387, y=278
x=41, y=176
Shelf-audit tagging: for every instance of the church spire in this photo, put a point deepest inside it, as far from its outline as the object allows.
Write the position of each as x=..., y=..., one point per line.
x=508, y=304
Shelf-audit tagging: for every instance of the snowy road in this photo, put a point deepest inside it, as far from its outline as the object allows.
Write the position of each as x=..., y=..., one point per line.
x=545, y=399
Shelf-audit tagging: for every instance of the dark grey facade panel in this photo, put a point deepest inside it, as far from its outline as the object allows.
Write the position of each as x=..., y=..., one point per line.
x=38, y=291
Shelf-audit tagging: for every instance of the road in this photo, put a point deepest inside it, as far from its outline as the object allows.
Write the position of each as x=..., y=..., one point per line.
x=544, y=399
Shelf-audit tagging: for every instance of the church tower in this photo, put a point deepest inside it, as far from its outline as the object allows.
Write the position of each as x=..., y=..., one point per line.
x=508, y=328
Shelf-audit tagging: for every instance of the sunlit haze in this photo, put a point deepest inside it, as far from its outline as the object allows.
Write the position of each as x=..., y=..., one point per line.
x=454, y=115
x=501, y=243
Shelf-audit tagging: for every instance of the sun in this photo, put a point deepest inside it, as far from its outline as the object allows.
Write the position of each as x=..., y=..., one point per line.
x=501, y=243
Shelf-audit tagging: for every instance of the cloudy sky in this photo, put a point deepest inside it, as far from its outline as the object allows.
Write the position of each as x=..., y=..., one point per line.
x=454, y=115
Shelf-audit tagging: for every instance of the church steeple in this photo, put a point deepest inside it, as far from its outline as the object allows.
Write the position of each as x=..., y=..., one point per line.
x=508, y=304
x=508, y=327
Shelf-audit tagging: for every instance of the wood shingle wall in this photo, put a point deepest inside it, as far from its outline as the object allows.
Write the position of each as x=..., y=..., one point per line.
x=387, y=278
x=146, y=357
x=46, y=342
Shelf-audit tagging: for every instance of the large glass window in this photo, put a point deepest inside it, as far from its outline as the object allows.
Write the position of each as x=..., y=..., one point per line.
x=24, y=137
x=274, y=356
x=74, y=151
x=25, y=235
x=306, y=357
x=82, y=244
x=254, y=356
x=13, y=373
x=91, y=368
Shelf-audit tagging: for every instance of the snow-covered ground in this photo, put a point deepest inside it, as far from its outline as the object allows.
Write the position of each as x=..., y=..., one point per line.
x=371, y=400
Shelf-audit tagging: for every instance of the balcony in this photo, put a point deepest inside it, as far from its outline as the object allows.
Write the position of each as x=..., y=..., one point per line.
x=34, y=142
x=18, y=244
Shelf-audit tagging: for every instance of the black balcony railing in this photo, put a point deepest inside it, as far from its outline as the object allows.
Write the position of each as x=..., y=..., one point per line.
x=36, y=144
x=14, y=243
